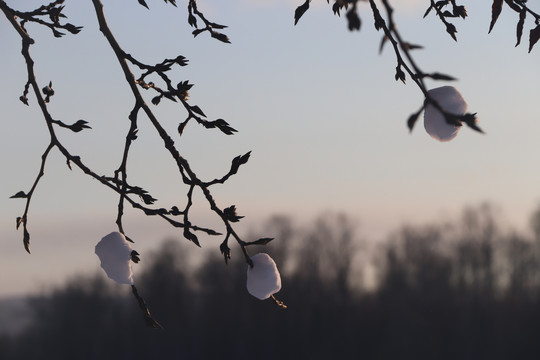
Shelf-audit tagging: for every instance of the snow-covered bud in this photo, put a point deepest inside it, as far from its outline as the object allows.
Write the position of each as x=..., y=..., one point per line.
x=450, y=99
x=115, y=254
x=263, y=279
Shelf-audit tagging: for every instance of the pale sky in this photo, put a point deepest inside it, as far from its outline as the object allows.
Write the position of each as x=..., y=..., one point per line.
x=317, y=106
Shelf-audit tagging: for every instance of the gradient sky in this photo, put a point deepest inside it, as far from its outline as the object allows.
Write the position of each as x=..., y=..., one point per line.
x=317, y=106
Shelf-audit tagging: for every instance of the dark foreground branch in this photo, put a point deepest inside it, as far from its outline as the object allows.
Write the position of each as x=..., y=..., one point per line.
x=51, y=17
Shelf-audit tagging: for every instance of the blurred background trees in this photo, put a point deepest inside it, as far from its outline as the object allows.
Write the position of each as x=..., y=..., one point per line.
x=462, y=290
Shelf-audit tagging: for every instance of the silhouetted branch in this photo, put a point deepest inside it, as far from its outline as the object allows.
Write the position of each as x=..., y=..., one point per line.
x=24, y=218
x=457, y=11
x=209, y=26
x=519, y=6
x=119, y=182
x=180, y=93
x=406, y=65
x=415, y=73
x=51, y=17
x=150, y=321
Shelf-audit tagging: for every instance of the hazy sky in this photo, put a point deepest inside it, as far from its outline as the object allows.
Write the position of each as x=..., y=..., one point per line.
x=317, y=106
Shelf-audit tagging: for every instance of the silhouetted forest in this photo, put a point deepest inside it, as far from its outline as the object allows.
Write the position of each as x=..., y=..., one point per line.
x=461, y=290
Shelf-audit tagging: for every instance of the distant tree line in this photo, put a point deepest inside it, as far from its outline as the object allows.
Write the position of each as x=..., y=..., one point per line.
x=466, y=290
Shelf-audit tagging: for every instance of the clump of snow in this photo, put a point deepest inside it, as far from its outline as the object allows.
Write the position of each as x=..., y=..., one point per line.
x=450, y=99
x=115, y=254
x=263, y=279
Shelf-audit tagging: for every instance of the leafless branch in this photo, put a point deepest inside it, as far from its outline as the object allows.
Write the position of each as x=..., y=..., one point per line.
x=51, y=17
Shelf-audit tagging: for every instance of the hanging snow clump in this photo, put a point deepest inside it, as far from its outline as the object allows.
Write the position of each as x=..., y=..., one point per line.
x=115, y=254
x=263, y=279
x=450, y=99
